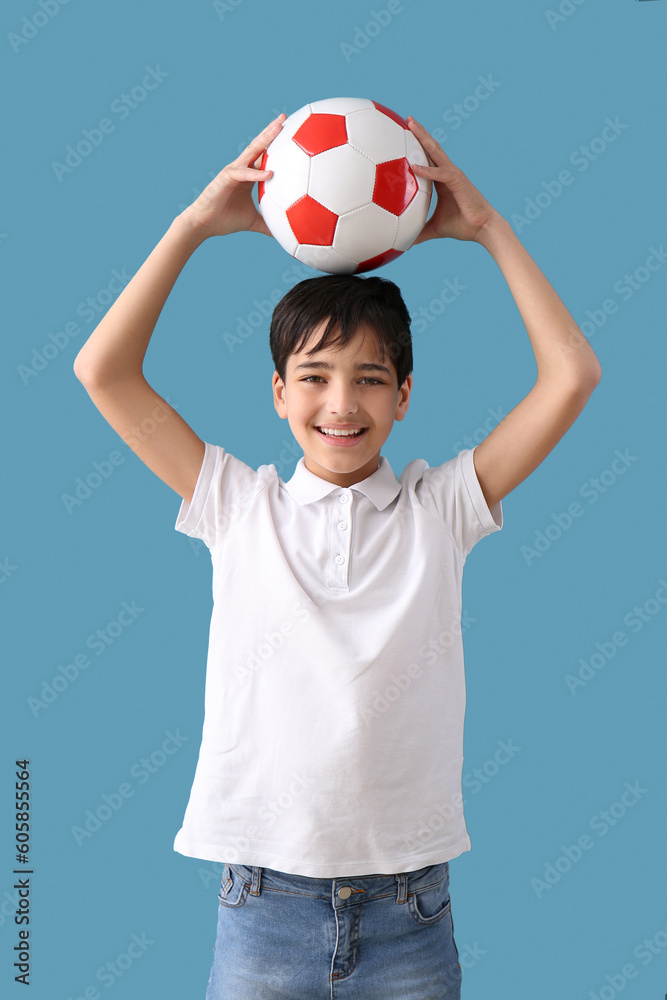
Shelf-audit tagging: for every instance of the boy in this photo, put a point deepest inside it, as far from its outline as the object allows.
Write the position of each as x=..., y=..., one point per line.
x=333, y=729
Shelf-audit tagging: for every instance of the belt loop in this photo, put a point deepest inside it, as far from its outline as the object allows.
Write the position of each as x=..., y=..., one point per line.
x=255, y=887
x=402, y=887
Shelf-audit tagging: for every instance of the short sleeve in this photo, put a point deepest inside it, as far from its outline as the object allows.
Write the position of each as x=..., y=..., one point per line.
x=452, y=493
x=223, y=492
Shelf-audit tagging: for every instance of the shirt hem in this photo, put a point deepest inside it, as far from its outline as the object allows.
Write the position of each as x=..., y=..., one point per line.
x=344, y=869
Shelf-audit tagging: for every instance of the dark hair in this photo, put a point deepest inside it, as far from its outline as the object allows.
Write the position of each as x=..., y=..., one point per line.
x=348, y=301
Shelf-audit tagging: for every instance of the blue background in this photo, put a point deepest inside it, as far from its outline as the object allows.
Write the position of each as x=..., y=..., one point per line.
x=229, y=70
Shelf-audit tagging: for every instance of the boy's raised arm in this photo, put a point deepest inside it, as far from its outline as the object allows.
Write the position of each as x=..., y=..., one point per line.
x=567, y=367
x=110, y=363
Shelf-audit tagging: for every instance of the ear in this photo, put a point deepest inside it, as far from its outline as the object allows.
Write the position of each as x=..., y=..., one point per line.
x=403, y=401
x=279, y=396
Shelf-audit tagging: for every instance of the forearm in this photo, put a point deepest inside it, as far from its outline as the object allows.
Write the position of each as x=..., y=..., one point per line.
x=561, y=350
x=118, y=344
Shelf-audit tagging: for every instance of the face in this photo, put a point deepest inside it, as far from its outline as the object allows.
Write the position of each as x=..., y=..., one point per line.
x=350, y=387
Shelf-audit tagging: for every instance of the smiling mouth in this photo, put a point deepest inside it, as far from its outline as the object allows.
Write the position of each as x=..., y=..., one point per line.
x=342, y=436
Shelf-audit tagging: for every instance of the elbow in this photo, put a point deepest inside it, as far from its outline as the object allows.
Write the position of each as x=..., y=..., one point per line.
x=86, y=374
x=595, y=374
x=79, y=369
x=586, y=381
x=586, y=377
x=596, y=370
x=590, y=379
x=88, y=371
x=79, y=366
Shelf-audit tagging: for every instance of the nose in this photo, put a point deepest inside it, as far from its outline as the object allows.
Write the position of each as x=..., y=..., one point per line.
x=342, y=399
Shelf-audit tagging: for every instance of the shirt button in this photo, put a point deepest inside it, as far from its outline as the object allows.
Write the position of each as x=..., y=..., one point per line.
x=340, y=560
x=342, y=525
x=345, y=892
x=343, y=498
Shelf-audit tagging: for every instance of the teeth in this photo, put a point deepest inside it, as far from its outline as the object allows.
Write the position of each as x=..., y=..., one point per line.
x=340, y=433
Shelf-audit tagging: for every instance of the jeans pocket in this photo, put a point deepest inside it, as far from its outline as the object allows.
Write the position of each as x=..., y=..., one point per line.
x=432, y=903
x=233, y=888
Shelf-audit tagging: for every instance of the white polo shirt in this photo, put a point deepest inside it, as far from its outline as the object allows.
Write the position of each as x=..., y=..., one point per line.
x=332, y=742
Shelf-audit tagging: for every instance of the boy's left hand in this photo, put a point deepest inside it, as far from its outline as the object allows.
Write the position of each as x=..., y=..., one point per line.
x=461, y=211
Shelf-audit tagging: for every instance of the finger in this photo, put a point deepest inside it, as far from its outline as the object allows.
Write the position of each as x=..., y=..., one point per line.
x=428, y=172
x=428, y=142
x=261, y=141
x=251, y=174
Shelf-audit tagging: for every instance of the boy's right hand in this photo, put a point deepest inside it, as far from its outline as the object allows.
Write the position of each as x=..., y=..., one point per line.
x=226, y=204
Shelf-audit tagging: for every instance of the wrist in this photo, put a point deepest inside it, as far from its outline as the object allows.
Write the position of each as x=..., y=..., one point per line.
x=496, y=233
x=188, y=230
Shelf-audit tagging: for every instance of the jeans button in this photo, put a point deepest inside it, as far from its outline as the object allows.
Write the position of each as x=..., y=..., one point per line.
x=345, y=892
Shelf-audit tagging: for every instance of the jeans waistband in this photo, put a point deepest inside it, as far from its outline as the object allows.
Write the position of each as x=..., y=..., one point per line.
x=347, y=889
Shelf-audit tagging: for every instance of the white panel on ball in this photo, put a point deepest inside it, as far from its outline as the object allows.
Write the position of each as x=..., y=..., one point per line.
x=291, y=172
x=276, y=220
x=326, y=259
x=411, y=222
x=340, y=105
x=290, y=125
x=341, y=179
x=415, y=154
x=370, y=231
x=376, y=135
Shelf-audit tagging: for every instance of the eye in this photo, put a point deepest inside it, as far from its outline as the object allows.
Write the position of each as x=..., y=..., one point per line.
x=376, y=381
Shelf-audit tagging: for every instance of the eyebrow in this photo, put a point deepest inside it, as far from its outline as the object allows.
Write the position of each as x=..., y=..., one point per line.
x=358, y=368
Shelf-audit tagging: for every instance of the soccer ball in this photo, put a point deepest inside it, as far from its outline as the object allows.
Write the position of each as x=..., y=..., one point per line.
x=343, y=197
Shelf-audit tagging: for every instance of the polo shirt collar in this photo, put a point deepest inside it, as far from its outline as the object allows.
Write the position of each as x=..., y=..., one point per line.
x=380, y=487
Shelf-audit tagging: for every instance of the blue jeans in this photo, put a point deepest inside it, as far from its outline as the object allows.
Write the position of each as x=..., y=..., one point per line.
x=366, y=937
